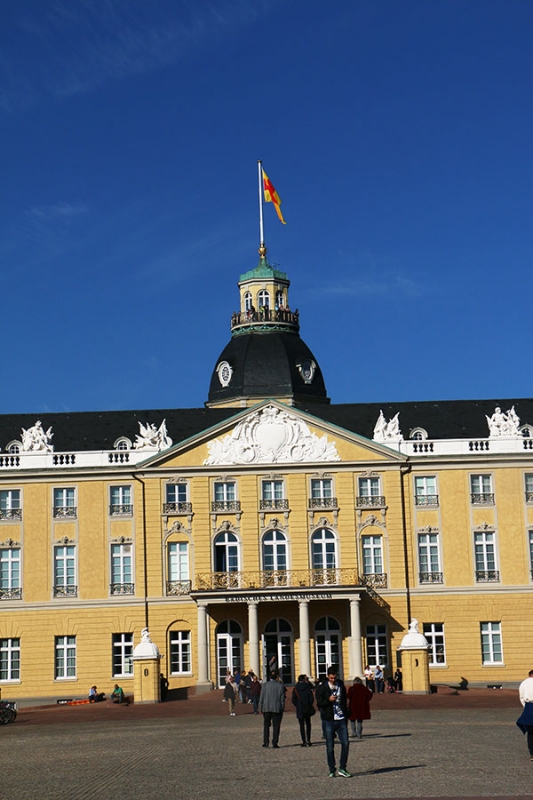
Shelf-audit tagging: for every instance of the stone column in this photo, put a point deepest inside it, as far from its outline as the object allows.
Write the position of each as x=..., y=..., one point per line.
x=253, y=636
x=354, y=642
x=305, y=659
x=202, y=683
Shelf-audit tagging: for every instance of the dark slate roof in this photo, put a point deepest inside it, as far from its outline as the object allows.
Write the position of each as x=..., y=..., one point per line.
x=265, y=365
x=99, y=430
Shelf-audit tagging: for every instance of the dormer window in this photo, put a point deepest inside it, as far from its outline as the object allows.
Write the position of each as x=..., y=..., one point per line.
x=14, y=448
x=122, y=444
x=419, y=434
x=527, y=431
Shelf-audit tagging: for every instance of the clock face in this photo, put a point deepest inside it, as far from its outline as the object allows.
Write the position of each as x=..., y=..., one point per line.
x=307, y=370
x=225, y=373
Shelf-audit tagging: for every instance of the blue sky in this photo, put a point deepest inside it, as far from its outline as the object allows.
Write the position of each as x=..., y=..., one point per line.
x=398, y=135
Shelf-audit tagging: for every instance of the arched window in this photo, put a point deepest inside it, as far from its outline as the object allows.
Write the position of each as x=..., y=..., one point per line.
x=327, y=645
x=263, y=299
x=419, y=434
x=14, y=448
x=280, y=301
x=226, y=552
x=123, y=444
x=247, y=301
x=323, y=549
x=279, y=648
x=274, y=551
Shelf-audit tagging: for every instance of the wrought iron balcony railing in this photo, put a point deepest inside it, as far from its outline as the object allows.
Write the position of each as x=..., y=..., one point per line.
x=323, y=502
x=266, y=579
x=279, y=504
x=178, y=587
x=118, y=510
x=376, y=579
x=65, y=512
x=267, y=318
x=11, y=594
x=122, y=588
x=66, y=591
x=10, y=513
x=376, y=501
x=181, y=507
x=426, y=499
x=430, y=577
x=482, y=499
x=487, y=575
x=226, y=505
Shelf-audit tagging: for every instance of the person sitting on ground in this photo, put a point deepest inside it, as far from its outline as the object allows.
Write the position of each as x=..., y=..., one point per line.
x=117, y=695
x=95, y=696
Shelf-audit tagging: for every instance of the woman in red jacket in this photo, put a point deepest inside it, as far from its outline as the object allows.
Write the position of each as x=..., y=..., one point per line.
x=359, y=698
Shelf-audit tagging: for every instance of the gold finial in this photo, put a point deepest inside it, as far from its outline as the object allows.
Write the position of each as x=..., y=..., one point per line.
x=262, y=250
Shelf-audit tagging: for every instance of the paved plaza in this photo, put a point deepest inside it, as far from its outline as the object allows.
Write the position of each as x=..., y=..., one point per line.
x=413, y=747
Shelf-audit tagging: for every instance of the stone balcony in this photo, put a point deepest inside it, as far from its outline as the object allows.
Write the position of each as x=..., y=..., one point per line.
x=265, y=319
x=290, y=578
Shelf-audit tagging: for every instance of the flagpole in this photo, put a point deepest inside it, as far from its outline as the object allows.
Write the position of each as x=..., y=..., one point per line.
x=261, y=232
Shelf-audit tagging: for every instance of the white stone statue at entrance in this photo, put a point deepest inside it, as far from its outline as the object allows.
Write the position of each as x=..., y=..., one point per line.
x=36, y=439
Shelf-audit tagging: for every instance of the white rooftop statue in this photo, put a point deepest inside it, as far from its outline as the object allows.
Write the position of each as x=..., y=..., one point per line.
x=36, y=439
x=152, y=438
x=501, y=424
x=388, y=431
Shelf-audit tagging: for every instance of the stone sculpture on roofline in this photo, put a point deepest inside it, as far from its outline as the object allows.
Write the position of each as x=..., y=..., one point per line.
x=388, y=431
x=501, y=424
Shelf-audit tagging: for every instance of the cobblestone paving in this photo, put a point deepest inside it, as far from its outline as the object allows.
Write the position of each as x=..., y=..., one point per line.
x=406, y=753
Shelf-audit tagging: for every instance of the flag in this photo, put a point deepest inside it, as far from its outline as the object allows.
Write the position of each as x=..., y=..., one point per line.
x=271, y=196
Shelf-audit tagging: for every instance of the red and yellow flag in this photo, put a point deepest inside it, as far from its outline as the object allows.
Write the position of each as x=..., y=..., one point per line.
x=271, y=196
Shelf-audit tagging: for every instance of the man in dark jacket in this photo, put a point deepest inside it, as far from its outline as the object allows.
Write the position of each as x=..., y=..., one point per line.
x=271, y=705
x=331, y=701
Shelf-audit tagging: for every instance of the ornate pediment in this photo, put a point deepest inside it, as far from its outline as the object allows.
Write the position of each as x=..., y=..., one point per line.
x=271, y=436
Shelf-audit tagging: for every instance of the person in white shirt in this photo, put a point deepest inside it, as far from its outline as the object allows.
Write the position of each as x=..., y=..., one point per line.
x=525, y=721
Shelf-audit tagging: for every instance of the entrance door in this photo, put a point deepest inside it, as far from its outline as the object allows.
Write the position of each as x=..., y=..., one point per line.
x=327, y=645
x=229, y=649
x=279, y=648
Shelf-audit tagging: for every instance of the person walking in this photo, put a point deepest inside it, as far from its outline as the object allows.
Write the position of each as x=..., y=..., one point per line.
x=379, y=678
x=369, y=678
x=302, y=699
x=525, y=720
x=255, y=693
x=271, y=705
x=359, y=698
x=331, y=701
x=230, y=693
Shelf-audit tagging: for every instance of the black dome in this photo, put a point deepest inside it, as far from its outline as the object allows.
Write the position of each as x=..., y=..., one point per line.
x=266, y=365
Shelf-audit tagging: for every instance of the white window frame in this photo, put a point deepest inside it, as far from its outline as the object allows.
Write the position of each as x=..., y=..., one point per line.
x=180, y=652
x=528, y=484
x=65, y=658
x=429, y=559
x=248, y=301
x=121, y=563
x=491, y=643
x=321, y=488
x=369, y=486
x=324, y=551
x=263, y=299
x=426, y=491
x=178, y=561
x=372, y=554
x=122, y=655
x=10, y=660
x=434, y=633
x=485, y=553
x=65, y=571
x=377, y=645
x=275, y=551
x=64, y=498
x=10, y=504
x=225, y=488
x=10, y=569
x=177, y=493
x=120, y=500
x=481, y=486
x=272, y=490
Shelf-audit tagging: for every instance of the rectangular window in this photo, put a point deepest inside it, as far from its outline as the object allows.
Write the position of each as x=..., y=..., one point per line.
x=428, y=558
x=120, y=500
x=531, y=552
x=64, y=503
x=121, y=569
x=122, y=655
x=180, y=652
x=481, y=490
x=10, y=507
x=176, y=492
x=491, y=643
x=65, y=647
x=369, y=492
x=372, y=555
x=426, y=491
x=9, y=659
x=224, y=492
x=272, y=490
x=65, y=570
x=529, y=487
x=434, y=633
x=178, y=561
x=321, y=488
x=485, y=557
x=376, y=645
x=10, y=573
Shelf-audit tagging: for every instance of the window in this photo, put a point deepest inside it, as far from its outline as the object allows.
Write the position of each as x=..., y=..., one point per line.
x=428, y=558
x=372, y=555
x=226, y=552
x=225, y=494
x=485, y=557
x=247, y=301
x=370, y=492
x=419, y=434
x=272, y=495
x=178, y=568
x=324, y=556
x=10, y=507
x=177, y=498
x=64, y=503
x=481, y=489
x=529, y=487
x=263, y=299
x=123, y=444
x=322, y=493
x=120, y=500
x=13, y=448
x=65, y=657
x=9, y=659
x=328, y=648
x=376, y=645
x=65, y=571
x=531, y=552
x=121, y=573
x=122, y=654
x=434, y=633
x=180, y=652
x=280, y=302
x=274, y=551
x=491, y=643
x=10, y=574
x=426, y=491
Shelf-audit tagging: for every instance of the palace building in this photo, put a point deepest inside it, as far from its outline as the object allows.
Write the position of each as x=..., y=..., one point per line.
x=269, y=525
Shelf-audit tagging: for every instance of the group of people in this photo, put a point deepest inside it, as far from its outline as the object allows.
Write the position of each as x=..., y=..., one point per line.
x=375, y=680
x=243, y=687
x=117, y=695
